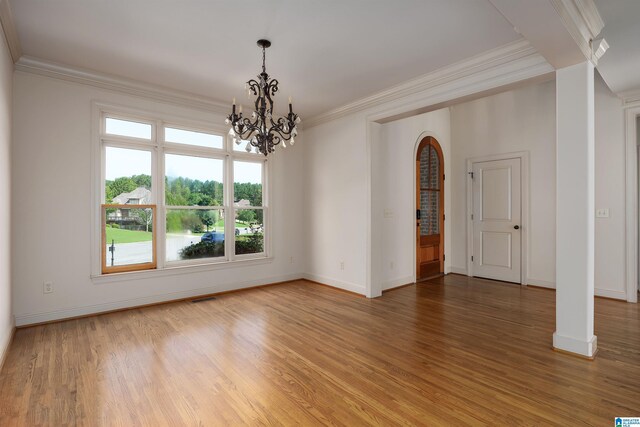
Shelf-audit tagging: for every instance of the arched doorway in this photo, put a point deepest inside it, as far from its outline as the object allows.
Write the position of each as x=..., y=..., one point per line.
x=429, y=209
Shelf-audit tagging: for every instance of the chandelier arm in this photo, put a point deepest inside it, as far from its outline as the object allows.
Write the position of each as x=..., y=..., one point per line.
x=279, y=127
x=253, y=86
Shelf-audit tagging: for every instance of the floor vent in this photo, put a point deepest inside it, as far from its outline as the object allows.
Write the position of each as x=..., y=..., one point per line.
x=203, y=299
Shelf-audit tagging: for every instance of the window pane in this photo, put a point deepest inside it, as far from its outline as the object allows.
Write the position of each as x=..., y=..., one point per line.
x=127, y=176
x=193, y=181
x=249, y=231
x=128, y=128
x=200, y=139
x=128, y=236
x=247, y=186
x=194, y=233
x=242, y=146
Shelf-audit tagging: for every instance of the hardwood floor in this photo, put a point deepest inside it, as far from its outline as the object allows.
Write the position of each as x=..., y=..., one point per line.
x=471, y=352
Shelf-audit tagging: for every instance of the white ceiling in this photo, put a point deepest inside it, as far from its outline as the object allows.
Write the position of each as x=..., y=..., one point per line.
x=620, y=65
x=325, y=53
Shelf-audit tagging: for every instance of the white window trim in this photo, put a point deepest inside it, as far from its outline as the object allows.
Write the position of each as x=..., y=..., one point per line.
x=158, y=148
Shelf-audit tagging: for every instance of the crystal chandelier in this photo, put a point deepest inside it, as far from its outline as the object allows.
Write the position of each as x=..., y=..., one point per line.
x=262, y=130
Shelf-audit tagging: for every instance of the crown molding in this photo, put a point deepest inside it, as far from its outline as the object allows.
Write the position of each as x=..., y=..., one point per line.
x=583, y=22
x=510, y=63
x=9, y=29
x=119, y=84
x=630, y=97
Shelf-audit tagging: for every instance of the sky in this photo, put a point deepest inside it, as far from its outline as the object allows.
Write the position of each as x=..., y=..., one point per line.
x=127, y=162
x=122, y=162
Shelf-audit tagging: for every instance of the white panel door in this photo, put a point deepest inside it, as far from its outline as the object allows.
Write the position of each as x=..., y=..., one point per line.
x=496, y=220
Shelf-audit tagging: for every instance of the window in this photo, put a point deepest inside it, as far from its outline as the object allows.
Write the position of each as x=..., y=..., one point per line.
x=192, y=186
x=165, y=199
x=249, y=218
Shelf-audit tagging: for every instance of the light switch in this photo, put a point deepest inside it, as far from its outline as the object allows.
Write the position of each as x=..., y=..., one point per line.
x=602, y=213
x=388, y=213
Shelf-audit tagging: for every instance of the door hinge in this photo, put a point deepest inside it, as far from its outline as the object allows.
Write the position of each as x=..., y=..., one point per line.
x=471, y=217
x=444, y=257
x=443, y=217
x=471, y=258
x=443, y=177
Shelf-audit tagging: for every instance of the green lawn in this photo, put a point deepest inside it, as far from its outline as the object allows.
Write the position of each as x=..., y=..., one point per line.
x=127, y=236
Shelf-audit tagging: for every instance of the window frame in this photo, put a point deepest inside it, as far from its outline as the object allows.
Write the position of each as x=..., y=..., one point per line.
x=158, y=148
x=106, y=269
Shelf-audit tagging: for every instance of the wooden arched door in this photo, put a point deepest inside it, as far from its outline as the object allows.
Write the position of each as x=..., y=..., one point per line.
x=429, y=209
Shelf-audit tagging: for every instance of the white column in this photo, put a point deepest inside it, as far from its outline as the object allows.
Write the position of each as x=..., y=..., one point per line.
x=575, y=210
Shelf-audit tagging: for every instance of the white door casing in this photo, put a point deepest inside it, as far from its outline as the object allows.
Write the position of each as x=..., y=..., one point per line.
x=497, y=213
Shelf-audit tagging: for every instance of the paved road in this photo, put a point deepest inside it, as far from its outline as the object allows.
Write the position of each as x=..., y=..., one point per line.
x=140, y=252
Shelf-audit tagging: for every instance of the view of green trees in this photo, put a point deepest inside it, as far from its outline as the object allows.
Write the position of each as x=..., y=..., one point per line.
x=189, y=192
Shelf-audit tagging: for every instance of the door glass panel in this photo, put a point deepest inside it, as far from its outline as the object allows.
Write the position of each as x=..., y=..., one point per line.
x=434, y=169
x=429, y=194
x=429, y=208
x=429, y=169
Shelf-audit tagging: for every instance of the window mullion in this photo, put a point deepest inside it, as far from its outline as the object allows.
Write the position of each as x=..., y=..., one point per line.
x=230, y=214
x=159, y=196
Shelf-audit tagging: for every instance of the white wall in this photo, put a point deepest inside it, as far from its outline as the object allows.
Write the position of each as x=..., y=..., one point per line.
x=518, y=120
x=610, y=153
x=393, y=179
x=524, y=120
x=6, y=77
x=335, y=172
x=51, y=184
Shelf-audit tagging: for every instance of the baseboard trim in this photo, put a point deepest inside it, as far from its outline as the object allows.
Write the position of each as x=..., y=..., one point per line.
x=397, y=283
x=539, y=283
x=568, y=345
x=28, y=320
x=398, y=287
x=6, y=347
x=458, y=270
x=598, y=293
x=611, y=294
x=355, y=294
x=601, y=293
x=572, y=354
x=345, y=286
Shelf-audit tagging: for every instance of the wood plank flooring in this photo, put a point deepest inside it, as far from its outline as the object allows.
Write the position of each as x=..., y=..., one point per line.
x=450, y=351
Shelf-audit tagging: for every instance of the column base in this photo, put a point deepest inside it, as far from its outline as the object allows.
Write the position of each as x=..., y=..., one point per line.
x=584, y=349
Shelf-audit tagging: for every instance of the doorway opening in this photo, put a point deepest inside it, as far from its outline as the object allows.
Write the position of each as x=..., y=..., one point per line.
x=429, y=209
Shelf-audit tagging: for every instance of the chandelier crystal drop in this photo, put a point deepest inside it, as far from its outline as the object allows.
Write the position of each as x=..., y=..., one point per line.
x=261, y=130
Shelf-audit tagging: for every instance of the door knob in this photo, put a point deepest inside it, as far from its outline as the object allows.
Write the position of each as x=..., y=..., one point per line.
x=516, y=227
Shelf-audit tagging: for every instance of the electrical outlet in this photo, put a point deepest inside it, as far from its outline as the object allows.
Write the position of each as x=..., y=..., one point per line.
x=341, y=265
x=602, y=213
x=291, y=260
x=47, y=287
